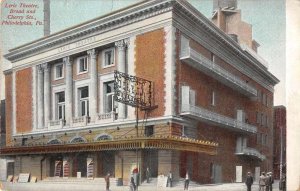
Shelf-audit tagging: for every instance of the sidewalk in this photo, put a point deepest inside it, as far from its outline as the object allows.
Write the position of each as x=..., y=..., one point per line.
x=100, y=187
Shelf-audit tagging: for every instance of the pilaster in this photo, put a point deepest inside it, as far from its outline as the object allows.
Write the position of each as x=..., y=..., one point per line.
x=47, y=91
x=121, y=48
x=69, y=88
x=40, y=96
x=93, y=88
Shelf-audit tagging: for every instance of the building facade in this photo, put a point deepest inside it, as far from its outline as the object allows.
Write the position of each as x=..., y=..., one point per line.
x=279, y=165
x=212, y=100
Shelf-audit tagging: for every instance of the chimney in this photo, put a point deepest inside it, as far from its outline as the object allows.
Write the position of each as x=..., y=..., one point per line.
x=224, y=4
x=46, y=17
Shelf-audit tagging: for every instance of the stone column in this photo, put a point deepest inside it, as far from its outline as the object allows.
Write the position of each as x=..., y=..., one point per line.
x=93, y=89
x=47, y=93
x=69, y=88
x=40, y=97
x=121, y=48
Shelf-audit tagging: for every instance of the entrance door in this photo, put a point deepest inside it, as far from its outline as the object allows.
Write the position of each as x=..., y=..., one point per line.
x=10, y=168
x=150, y=160
x=81, y=162
x=238, y=173
x=106, y=163
x=257, y=173
x=216, y=173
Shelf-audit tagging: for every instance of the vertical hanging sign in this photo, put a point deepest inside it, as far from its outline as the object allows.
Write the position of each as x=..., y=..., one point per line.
x=90, y=167
x=66, y=168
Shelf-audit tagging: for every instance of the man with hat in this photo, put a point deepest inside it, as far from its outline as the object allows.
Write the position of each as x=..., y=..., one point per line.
x=271, y=181
x=249, y=181
x=262, y=182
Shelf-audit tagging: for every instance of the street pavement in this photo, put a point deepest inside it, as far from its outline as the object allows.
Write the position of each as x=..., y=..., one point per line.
x=66, y=186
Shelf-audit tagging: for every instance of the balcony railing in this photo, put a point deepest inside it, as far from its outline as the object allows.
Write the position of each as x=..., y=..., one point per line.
x=200, y=62
x=251, y=152
x=80, y=121
x=105, y=117
x=56, y=124
x=215, y=118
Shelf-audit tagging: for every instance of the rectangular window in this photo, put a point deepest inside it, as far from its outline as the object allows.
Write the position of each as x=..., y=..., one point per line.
x=84, y=101
x=59, y=71
x=109, y=57
x=258, y=120
x=259, y=96
x=183, y=131
x=258, y=138
x=213, y=100
x=82, y=65
x=60, y=105
x=213, y=57
x=109, y=96
x=264, y=99
x=262, y=119
x=266, y=140
x=149, y=130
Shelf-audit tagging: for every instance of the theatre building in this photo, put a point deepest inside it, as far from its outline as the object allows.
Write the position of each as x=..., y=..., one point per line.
x=210, y=109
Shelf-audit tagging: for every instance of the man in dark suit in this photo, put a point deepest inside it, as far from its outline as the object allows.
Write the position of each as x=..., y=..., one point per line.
x=249, y=181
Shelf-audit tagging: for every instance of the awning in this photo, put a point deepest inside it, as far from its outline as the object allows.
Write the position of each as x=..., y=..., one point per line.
x=131, y=143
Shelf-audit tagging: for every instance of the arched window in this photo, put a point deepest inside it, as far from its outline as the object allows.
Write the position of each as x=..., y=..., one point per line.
x=103, y=137
x=54, y=142
x=78, y=140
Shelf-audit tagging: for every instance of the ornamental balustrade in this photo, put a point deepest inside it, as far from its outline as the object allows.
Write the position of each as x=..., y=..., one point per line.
x=56, y=124
x=80, y=121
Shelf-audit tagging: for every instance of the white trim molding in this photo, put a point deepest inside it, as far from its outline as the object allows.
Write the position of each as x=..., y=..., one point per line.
x=170, y=70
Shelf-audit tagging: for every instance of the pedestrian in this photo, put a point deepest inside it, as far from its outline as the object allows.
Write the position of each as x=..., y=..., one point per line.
x=262, y=182
x=271, y=181
x=283, y=182
x=132, y=184
x=249, y=181
x=268, y=181
x=107, y=181
x=186, y=181
x=169, y=181
x=148, y=175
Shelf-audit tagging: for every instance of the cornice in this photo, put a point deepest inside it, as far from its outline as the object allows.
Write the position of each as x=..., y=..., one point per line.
x=93, y=27
x=8, y=71
x=135, y=13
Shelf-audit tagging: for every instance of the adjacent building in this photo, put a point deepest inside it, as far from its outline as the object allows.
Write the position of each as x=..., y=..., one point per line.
x=279, y=165
x=212, y=98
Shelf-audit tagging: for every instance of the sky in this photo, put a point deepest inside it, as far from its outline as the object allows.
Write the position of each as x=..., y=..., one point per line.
x=267, y=18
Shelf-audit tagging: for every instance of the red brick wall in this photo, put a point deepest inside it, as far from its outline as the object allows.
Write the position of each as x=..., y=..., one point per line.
x=227, y=102
x=150, y=65
x=8, y=108
x=24, y=100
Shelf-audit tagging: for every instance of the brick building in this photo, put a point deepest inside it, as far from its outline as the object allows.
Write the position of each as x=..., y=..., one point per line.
x=279, y=140
x=2, y=123
x=213, y=99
